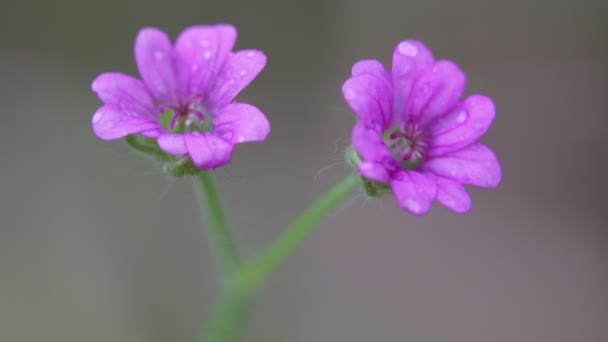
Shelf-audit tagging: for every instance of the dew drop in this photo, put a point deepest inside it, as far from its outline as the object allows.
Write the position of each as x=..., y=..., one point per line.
x=240, y=138
x=408, y=49
x=243, y=72
x=461, y=117
x=413, y=205
x=453, y=172
x=350, y=93
x=97, y=117
x=250, y=54
x=207, y=55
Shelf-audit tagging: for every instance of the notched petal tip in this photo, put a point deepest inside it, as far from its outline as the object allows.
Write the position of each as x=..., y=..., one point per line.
x=414, y=192
x=241, y=123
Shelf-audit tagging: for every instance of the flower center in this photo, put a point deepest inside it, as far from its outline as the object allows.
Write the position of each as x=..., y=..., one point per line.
x=188, y=116
x=407, y=144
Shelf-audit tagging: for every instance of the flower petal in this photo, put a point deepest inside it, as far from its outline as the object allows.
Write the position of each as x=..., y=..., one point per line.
x=463, y=126
x=158, y=66
x=476, y=165
x=111, y=123
x=435, y=92
x=173, y=144
x=410, y=58
x=374, y=171
x=204, y=50
x=240, y=123
x=238, y=71
x=451, y=194
x=371, y=66
x=367, y=141
x=414, y=191
x=124, y=92
x=207, y=150
x=370, y=97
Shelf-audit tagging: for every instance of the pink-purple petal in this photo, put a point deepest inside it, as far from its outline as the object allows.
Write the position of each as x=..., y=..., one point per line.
x=173, y=144
x=475, y=164
x=451, y=194
x=111, y=123
x=158, y=67
x=238, y=71
x=410, y=58
x=374, y=171
x=207, y=150
x=125, y=92
x=414, y=191
x=367, y=141
x=371, y=66
x=435, y=92
x=462, y=126
x=370, y=97
x=241, y=123
x=204, y=50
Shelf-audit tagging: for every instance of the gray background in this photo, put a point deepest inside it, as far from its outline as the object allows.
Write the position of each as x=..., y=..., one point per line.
x=96, y=245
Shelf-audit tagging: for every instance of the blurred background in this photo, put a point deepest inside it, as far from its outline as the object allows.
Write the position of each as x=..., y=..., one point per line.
x=96, y=245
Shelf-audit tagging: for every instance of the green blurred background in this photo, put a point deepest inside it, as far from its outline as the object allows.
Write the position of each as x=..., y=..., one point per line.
x=96, y=245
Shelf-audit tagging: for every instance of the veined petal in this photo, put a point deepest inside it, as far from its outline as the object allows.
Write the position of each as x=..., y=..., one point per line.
x=240, y=123
x=367, y=141
x=451, y=194
x=173, y=144
x=371, y=66
x=111, y=123
x=370, y=97
x=475, y=164
x=207, y=150
x=462, y=126
x=436, y=92
x=158, y=66
x=374, y=171
x=124, y=92
x=414, y=191
x=238, y=71
x=204, y=49
x=410, y=58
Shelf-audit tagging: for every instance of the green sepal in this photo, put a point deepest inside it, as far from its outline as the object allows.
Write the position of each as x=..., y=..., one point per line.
x=147, y=146
x=181, y=167
x=371, y=187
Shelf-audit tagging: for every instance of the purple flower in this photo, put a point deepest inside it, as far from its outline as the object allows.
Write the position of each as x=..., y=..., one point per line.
x=186, y=98
x=416, y=134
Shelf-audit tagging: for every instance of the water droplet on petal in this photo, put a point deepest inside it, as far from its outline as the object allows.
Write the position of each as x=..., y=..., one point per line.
x=408, y=49
x=461, y=117
x=453, y=172
x=97, y=117
x=240, y=138
x=207, y=55
x=243, y=72
x=250, y=54
x=350, y=93
x=413, y=205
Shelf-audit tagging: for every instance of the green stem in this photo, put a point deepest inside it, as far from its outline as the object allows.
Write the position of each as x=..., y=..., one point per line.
x=233, y=311
x=234, y=308
x=221, y=239
x=262, y=267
